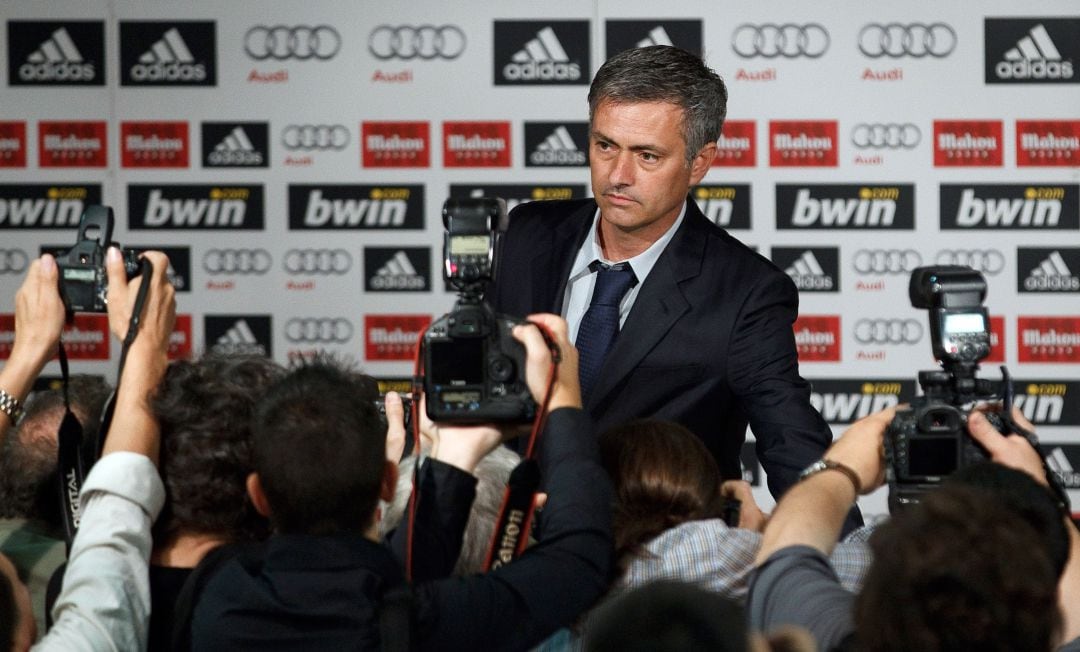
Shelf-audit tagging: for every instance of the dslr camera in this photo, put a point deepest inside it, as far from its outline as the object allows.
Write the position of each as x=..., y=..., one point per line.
x=83, y=282
x=474, y=370
x=928, y=441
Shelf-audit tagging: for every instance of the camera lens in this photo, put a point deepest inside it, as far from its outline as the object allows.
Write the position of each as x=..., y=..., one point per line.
x=501, y=369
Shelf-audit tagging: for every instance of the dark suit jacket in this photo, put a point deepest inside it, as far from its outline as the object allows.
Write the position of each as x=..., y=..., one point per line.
x=708, y=343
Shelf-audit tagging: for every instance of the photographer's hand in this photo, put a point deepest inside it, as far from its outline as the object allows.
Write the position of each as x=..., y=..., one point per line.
x=39, y=320
x=134, y=427
x=395, y=426
x=1013, y=450
x=862, y=449
x=567, y=389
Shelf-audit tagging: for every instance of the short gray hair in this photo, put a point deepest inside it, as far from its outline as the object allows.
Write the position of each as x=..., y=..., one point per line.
x=662, y=73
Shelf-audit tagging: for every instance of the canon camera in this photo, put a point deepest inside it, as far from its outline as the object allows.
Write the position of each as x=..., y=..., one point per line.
x=83, y=282
x=474, y=370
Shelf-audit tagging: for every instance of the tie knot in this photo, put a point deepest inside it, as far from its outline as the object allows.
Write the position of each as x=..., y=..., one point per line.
x=612, y=282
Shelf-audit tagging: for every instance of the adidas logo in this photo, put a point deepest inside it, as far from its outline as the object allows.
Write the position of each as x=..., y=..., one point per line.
x=398, y=274
x=1052, y=274
x=558, y=149
x=239, y=339
x=169, y=59
x=657, y=36
x=1059, y=464
x=57, y=59
x=542, y=59
x=807, y=273
x=235, y=149
x=1034, y=57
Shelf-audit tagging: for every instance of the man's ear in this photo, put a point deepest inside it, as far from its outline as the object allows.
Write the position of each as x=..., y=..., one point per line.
x=389, y=481
x=701, y=163
x=257, y=495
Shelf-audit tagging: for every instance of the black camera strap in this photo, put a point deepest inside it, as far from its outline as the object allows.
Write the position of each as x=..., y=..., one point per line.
x=72, y=464
x=515, y=518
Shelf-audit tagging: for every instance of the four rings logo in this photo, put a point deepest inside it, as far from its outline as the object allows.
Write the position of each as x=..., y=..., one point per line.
x=407, y=42
x=13, y=261
x=237, y=261
x=315, y=137
x=300, y=42
x=770, y=40
x=886, y=261
x=987, y=261
x=885, y=136
x=321, y=262
x=322, y=330
x=888, y=331
x=917, y=40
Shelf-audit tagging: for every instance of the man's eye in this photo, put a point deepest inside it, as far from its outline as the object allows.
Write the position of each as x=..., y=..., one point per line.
x=649, y=156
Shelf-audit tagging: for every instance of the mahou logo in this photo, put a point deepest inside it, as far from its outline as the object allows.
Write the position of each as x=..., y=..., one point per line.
x=727, y=206
x=87, y=338
x=997, y=340
x=355, y=206
x=737, y=145
x=515, y=194
x=180, y=339
x=968, y=143
x=817, y=338
x=168, y=53
x=1047, y=143
x=12, y=144
x=803, y=143
x=154, y=144
x=72, y=145
x=1049, y=339
x=56, y=53
x=393, y=337
x=1010, y=206
x=396, y=144
x=45, y=206
x=476, y=144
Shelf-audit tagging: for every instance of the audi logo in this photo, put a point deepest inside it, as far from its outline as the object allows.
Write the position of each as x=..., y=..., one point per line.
x=887, y=136
x=317, y=261
x=770, y=40
x=913, y=40
x=13, y=261
x=886, y=261
x=416, y=42
x=237, y=261
x=888, y=331
x=301, y=42
x=988, y=261
x=308, y=137
x=313, y=330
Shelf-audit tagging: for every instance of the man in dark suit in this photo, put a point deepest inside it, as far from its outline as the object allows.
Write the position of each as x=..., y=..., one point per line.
x=704, y=332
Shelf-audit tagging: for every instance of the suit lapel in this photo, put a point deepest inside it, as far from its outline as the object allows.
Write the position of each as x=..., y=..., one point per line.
x=550, y=268
x=659, y=304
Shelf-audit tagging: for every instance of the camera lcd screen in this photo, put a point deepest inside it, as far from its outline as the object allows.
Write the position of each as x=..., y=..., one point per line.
x=76, y=274
x=933, y=456
x=457, y=362
x=468, y=245
x=969, y=322
x=460, y=397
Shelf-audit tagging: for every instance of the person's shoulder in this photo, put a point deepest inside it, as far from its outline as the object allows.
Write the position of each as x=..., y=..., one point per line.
x=725, y=249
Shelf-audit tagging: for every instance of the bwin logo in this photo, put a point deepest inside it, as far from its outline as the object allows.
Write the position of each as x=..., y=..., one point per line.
x=169, y=59
x=837, y=407
x=193, y=212
x=1052, y=275
x=879, y=209
x=558, y=149
x=1040, y=207
x=235, y=149
x=57, y=59
x=808, y=274
x=543, y=58
x=31, y=213
x=353, y=212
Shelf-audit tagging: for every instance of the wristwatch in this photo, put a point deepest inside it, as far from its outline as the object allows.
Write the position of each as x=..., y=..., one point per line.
x=10, y=406
x=831, y=465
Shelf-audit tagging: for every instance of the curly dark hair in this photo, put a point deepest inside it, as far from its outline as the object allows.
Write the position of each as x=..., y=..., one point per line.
x=663, y=475
x=205, y=409
x=960, y=571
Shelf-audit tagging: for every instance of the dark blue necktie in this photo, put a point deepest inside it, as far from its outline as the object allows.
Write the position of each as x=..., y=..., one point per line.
x=600, y=324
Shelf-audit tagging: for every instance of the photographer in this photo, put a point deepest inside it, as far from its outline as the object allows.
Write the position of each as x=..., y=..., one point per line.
x=105, y=601
x=320, y=581
x=962, y=569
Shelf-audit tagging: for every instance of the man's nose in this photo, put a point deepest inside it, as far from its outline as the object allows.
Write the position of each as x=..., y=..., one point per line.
x=622, y=169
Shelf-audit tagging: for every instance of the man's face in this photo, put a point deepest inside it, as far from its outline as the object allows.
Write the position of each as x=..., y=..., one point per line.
x=637, y=157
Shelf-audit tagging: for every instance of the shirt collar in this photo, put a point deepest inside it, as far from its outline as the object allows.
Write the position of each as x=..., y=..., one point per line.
x=642, y=263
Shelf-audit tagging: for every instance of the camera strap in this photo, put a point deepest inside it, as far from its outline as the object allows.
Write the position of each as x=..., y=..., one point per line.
x=71, y=467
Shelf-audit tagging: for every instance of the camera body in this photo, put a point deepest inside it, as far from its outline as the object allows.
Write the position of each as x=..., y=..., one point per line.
x=83, y=282
x=474, y=370
x=928, y=441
